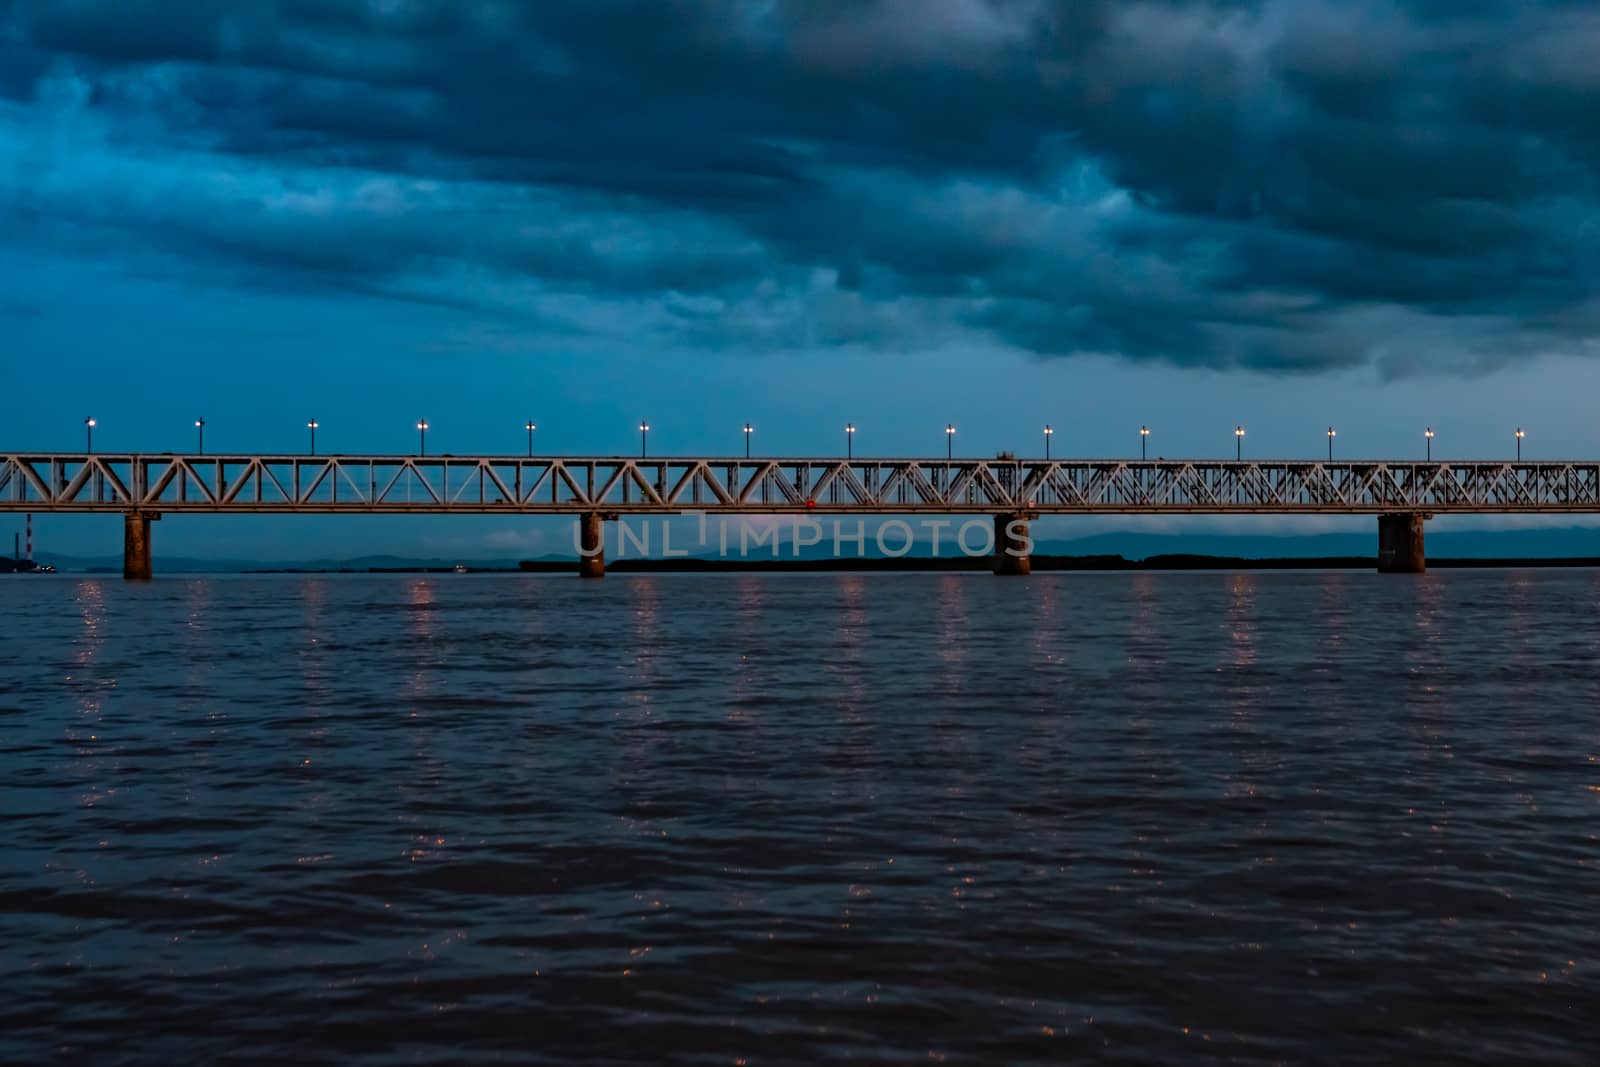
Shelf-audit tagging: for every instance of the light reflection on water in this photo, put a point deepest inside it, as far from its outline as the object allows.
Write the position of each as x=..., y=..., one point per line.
x=1155, y=817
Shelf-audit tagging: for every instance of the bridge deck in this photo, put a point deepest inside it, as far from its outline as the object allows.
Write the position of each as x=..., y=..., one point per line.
x=113, y=482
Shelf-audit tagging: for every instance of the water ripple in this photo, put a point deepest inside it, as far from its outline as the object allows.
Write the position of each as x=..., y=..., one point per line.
x=1143, y=818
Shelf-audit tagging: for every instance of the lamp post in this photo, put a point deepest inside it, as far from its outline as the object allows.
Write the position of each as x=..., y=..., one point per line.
x=530, y=427
x=644, y=439
x=1144, y=440
x=1238, y=442
x=949, y=451
x=1048, y=433
x=1332, y=433
x=88, y=444
x=312, y=426
x=422, y=437
x=200, y=431
x=1520, y=436
x=747, y=429
x=1428, y=436
x=849, y=440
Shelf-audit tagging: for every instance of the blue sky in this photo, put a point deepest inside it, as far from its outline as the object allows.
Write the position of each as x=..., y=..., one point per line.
x=997, y=213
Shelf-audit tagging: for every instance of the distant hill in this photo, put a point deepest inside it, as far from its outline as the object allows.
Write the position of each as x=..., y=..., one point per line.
x=1557, y=543
x=1564, y=542
x=191, y=565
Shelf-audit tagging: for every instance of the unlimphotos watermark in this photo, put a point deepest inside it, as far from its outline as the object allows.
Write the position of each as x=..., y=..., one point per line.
x=738, y=535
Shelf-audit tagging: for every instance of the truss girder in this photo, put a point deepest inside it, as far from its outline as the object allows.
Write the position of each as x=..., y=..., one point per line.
x=489, y=484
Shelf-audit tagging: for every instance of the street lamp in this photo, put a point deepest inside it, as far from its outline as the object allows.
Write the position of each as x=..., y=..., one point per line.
x=1144, y=439
x=849, y=440
x=1428, y=436
x=1048, y=432
x=644, y=439
x=312, y=426
x=1520, y=436
x=747, y=429
x=200, y=430
x=530, y=427
x=949, y=451
x=1332, y=433
x=422, y=437
x=88, y=434
x=1238, y=442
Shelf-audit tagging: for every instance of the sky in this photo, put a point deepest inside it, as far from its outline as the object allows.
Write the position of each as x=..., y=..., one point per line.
x=1095, y=214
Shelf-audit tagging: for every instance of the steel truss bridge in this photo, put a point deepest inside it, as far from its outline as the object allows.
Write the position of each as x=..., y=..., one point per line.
x=1402, y=493
x=261, y=484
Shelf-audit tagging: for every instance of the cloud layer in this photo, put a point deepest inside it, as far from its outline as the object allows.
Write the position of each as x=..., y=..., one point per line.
x=1282, y=185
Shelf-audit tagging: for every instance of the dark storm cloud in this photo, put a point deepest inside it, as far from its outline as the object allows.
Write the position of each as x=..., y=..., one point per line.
x=1283, y=185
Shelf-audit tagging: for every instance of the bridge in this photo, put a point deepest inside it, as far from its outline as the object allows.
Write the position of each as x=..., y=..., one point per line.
x=1401, y=493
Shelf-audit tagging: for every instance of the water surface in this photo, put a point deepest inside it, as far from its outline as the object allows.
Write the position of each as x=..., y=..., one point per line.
x=793, y=818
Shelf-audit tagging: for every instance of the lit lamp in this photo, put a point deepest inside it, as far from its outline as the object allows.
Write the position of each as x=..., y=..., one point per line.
x=1144, y=440
x=88, y=434
x=1428, y=436
x=1238, y=442
x=747, y=430
x=200, y=430
x=312, y=426
x=849, y=440
x=530, y=427
x=1520, y=436
x=1048, y=432
x=1332, y=433
x=949, y=441
x=644, y=439
x=422, y=437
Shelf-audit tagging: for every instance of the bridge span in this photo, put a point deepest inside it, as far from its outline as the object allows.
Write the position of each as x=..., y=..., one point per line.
x=1402, y=493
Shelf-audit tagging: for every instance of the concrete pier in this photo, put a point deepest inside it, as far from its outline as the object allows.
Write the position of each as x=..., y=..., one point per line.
x=1011, y=536
x=592, y=545
x=136, y=545
x=1400, y=548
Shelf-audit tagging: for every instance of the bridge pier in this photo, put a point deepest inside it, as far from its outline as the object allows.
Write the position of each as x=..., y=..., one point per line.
x=136, y=545
x=1012, y=545
x=1400, y=547
x=591, y=545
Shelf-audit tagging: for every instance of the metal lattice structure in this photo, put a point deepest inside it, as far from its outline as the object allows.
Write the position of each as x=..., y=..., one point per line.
x=574, y=485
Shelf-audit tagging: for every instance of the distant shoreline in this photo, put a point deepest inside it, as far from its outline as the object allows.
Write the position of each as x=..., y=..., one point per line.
x=907, y=565
x=924, y=564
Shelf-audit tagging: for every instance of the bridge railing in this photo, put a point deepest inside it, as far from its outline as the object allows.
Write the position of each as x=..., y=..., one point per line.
x=82, y=482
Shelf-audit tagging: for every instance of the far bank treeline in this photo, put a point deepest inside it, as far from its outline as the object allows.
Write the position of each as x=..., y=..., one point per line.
x=923, y=564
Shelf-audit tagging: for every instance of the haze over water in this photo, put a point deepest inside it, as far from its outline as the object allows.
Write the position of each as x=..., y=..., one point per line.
x=1147, y=817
